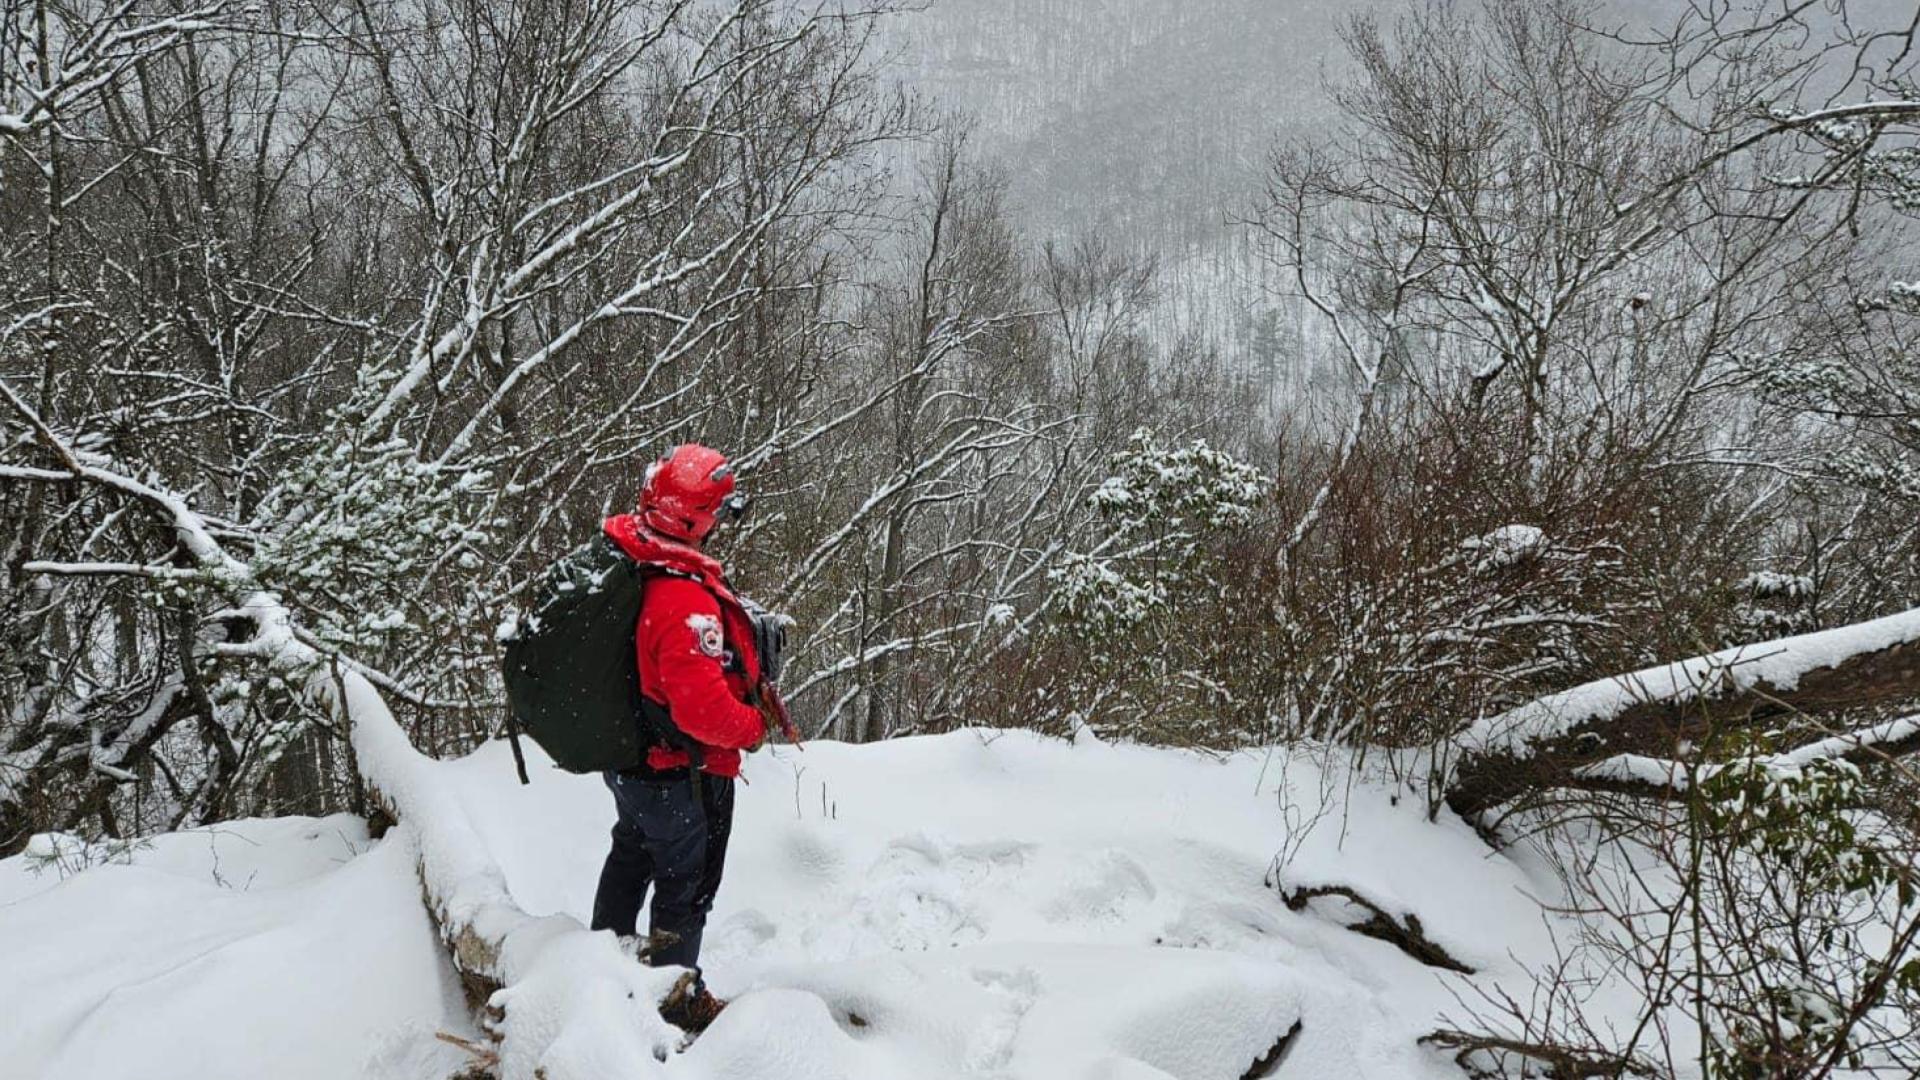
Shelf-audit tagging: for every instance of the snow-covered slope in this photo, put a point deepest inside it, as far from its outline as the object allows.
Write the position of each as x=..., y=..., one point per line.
x=975, y=904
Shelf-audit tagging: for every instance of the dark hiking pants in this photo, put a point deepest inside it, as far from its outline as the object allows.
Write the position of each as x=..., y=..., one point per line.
x=664, y=838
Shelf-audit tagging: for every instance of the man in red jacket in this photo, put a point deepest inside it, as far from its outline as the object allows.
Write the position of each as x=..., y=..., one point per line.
x=701, y=671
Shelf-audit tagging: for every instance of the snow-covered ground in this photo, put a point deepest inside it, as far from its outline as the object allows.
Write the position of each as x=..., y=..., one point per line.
x=289, y=948
x=990, y=904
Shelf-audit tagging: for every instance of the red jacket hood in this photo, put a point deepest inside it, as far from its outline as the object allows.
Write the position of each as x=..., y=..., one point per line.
x=645, y=546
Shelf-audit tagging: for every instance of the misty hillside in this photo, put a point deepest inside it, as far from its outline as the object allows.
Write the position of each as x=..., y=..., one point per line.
x=1145, y=118
x=1149, y=122
x=1152, y=118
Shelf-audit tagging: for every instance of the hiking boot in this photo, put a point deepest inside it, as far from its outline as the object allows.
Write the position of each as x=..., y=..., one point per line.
x=641, y=948
x=690, y=1006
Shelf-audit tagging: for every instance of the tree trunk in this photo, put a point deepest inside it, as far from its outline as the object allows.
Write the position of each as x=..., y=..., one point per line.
x=1554, y=741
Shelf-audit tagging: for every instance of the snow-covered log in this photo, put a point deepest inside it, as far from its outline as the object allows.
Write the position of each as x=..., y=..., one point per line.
x=1636, y=721
x=560, y=1001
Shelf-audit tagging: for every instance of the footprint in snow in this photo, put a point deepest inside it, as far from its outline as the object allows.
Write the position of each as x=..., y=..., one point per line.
x=1104, y=889
x=811, y=852
x=967, y=862
x=917, y=912
x=991, y=1047
x=742, y=932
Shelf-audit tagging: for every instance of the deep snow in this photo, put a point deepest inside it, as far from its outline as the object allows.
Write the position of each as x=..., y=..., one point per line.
x=289, y=948
x=975, y=904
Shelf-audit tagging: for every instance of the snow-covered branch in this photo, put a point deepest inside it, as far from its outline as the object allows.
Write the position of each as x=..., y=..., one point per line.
x=1641, y=774
x=1623, y=727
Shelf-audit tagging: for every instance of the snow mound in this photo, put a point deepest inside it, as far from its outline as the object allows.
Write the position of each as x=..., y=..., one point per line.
x=293, y=948
x=978, y=904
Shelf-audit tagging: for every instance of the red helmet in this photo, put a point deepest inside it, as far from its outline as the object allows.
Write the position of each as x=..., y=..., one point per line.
x=685, y=491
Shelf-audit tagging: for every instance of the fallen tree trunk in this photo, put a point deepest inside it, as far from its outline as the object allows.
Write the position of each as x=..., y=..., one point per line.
x=558, y=1000
x=1568, y=739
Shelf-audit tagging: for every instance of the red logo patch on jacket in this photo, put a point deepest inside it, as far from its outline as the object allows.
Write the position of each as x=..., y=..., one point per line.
x=707, y=636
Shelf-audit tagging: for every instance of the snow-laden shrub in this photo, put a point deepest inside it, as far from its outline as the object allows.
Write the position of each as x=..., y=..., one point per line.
x=1804, y=380
x=1093, y=594
x=353, y=532
x=1905, y=295
x=1144, y=602
x=1182, y=491
x=1773, y=604
x=1505, y=546
x=1894, y=476
x=370, y=544
x=1809, y=874
x=1158, y=506
x=1766, y=915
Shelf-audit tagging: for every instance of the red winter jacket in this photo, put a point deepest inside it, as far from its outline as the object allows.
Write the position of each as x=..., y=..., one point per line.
x=695, y=649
